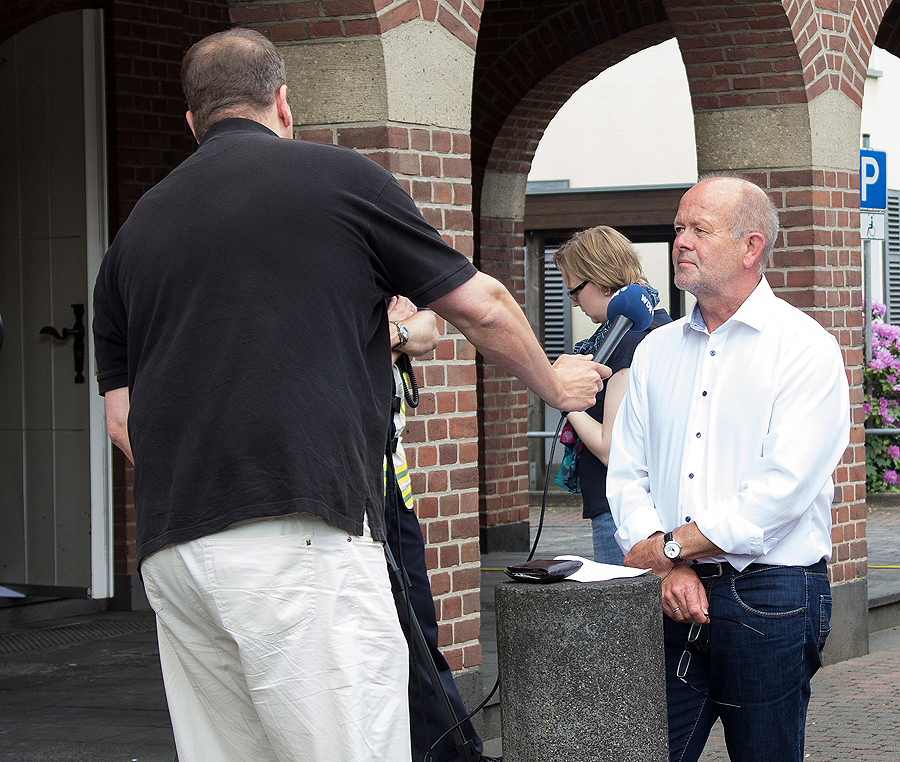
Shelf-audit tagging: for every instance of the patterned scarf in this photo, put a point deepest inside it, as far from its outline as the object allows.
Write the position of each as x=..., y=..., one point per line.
x=567, y=475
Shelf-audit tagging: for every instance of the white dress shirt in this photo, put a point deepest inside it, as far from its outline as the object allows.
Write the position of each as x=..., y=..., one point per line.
x=738, y=431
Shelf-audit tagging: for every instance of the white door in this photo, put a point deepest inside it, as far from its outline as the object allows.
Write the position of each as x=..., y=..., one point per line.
x=55, y=491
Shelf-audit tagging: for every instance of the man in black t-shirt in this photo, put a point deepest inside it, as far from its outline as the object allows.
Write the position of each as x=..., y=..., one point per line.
x=242, y=347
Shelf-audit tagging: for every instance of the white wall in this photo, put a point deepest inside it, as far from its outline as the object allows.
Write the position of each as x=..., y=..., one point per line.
x=881, y=111
x=631, y=125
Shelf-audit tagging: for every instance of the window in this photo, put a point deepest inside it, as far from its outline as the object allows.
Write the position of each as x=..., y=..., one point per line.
x=892, y=258
x=557, y=310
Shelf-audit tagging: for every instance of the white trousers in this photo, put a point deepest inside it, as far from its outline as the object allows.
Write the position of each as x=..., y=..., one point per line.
x=279, y=640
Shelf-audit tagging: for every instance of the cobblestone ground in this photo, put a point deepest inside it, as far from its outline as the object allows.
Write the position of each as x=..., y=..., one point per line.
x=854, y=714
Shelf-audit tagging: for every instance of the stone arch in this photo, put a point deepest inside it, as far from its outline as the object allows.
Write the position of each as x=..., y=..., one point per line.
x=888, y=36
x=530, y=59
x=776, y=90
x=520, y=45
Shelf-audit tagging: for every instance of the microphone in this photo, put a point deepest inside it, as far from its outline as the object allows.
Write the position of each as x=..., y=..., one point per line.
x=630, y=309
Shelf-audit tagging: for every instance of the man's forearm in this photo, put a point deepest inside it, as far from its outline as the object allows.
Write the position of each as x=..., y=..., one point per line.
x=118, y=404
x=648, y=554
x=487, y=315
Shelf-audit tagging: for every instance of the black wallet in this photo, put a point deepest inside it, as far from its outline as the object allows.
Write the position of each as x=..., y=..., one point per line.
x=543, y=570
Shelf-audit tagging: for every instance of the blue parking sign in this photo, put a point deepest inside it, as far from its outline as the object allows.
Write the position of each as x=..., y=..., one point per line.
x=872, y=179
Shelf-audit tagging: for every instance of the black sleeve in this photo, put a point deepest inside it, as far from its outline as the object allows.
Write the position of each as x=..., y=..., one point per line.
x=110, y=331
x=418, y=263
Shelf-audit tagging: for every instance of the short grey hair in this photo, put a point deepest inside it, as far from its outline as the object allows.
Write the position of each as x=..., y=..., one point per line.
x=235, y=73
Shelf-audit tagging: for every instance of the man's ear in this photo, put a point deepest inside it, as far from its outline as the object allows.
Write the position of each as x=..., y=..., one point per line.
x=285, y=117
x=756, y=244
x=190, y=120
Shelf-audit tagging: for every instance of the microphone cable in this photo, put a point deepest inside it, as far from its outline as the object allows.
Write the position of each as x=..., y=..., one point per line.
x=537, y=537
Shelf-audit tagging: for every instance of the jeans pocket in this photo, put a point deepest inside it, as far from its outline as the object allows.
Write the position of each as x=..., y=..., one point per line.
x=151, y=590
x=775, y=592
x=825, y=604
x=263, y=588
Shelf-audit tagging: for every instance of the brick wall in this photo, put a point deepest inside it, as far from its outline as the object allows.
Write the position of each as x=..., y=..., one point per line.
x=504, y=399
x=146, y=40
x=329, y=19
x=530, y=56
x=738, y=55
x=763, y=54
x=441, y=440
x=817, y=266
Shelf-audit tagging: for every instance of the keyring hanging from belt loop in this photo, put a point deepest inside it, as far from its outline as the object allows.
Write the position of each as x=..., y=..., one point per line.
x=410, y=385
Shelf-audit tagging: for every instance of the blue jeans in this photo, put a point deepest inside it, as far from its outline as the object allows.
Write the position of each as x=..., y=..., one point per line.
x=606, y=549
x=757, y=683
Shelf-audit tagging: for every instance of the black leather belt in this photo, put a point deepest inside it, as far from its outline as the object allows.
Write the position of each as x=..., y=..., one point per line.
x=705, y=571
x=720, y=569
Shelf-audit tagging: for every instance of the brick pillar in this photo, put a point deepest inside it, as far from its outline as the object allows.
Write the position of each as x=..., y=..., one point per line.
x=769, y=85
x=395, y=84
x=818, y=267
x=504, y=400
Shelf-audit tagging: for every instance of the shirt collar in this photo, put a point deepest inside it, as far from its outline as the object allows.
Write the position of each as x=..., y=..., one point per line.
x=235, y=124
x=752, y=313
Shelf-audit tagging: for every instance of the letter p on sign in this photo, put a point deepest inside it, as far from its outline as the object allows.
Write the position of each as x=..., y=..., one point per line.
x=872, y=179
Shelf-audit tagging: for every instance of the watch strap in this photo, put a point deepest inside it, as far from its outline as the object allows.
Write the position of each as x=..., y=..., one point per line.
x=402, y=332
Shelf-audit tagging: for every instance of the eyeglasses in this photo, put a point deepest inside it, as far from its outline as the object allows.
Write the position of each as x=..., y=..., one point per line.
x=684, y=662
x=573, y=292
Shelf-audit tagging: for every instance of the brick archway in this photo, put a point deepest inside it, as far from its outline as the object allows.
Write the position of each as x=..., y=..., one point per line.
x=453, y=96
x=529, y=61
x=776, y=90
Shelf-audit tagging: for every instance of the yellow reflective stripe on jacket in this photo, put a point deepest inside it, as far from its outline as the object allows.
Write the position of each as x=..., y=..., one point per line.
x=400, y=467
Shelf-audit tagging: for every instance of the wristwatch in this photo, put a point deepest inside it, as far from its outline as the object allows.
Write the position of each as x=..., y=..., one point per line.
x=671, y=548
x=402, y=332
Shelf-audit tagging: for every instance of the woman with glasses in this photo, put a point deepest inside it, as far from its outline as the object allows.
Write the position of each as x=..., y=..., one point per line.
x=594, y=264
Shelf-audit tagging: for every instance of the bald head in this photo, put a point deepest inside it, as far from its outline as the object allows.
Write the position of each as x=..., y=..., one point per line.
x=747, y=209
x=724, y=230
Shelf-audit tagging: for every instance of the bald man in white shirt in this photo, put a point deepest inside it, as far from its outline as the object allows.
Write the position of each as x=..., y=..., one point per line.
x=720, y=481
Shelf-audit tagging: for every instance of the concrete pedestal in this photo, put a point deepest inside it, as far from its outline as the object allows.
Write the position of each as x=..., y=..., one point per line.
x=582, y=675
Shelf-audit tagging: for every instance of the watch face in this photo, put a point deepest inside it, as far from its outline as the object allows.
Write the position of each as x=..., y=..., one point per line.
x=672, y=550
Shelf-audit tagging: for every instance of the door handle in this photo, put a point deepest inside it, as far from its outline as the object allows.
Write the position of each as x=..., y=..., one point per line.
x=76, y=332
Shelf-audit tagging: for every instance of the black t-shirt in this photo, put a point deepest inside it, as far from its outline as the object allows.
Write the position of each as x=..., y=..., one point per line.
x=591, y=471
x=242, y=303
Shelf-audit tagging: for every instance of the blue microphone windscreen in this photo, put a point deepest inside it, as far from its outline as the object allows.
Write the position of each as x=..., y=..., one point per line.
x=634, y=303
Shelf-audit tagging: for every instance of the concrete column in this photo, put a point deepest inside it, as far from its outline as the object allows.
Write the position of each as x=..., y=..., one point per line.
x=582, y=675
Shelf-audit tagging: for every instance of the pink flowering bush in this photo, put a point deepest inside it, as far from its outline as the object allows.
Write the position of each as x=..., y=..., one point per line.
x=882, y=405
